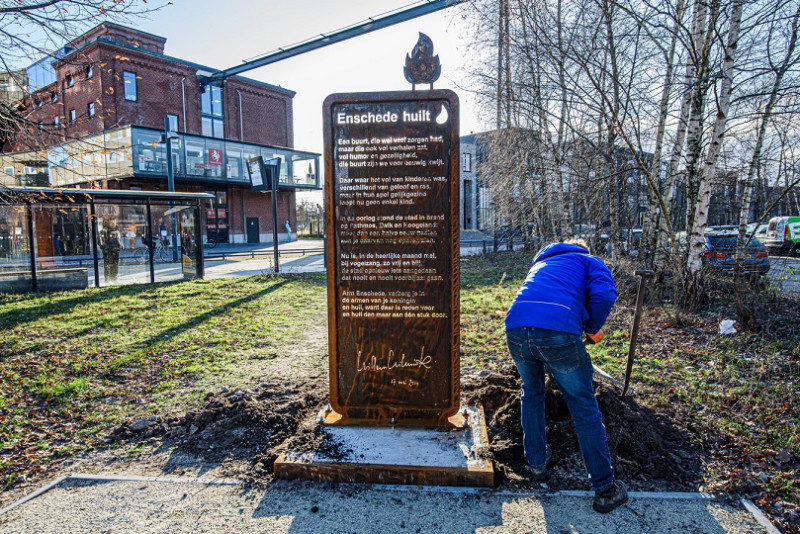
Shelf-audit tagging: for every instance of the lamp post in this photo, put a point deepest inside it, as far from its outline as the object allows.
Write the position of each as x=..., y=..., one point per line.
x=167, y=138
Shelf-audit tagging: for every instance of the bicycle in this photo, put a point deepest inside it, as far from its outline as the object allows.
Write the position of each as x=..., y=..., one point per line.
x=209, y=242
x=162, y=249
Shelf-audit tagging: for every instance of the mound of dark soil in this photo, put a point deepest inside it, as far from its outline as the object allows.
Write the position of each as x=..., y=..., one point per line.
x=648, y=450
x=256, y=425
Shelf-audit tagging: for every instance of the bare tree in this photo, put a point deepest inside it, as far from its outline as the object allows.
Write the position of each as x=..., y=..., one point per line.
x=597, y=83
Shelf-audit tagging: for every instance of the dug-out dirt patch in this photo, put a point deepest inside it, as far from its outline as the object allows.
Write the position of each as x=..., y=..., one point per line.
x=250, y=426
x=254, y=426
x=648, y=450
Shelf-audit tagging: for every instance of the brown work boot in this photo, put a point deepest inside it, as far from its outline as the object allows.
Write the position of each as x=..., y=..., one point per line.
x=607, y=500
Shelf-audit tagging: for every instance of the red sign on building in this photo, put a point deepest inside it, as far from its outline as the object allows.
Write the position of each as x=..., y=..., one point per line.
x=214, y=158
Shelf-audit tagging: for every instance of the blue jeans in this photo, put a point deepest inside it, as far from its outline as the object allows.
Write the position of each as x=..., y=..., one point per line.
x=565, y=357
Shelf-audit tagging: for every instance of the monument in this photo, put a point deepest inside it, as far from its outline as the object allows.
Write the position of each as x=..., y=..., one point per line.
x=392, y=239
x=392, y=203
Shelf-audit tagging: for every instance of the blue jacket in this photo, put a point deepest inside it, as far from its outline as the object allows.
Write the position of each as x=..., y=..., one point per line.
x=567, y=290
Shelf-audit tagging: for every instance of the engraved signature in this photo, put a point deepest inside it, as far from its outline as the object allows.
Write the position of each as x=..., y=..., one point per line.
x=370, y=363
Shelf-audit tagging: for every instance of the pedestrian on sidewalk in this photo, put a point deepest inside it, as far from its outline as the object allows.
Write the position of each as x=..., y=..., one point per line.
x=288, y=232
x=110, y=244
x=568, y=292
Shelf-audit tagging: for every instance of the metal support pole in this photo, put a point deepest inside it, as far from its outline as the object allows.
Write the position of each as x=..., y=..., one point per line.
x=95, y=255
x=201, y=266
x=274, y=170
x=32, y=246
x=171, y=187
x=364, y=27
x=150, y=251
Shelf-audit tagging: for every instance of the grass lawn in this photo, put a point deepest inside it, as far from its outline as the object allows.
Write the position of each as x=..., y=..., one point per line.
x=75, y=364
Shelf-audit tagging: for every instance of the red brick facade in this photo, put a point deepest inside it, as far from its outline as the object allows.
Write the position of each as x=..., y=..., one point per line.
x=93, y=73
x=164, y=86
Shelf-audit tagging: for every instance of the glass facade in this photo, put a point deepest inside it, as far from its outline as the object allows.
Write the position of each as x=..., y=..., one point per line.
x=15, y=258
x=106, y=155
x=174, y=241
x=215, y=160
x=42, y=73
x=130, y=239
x=134, y=151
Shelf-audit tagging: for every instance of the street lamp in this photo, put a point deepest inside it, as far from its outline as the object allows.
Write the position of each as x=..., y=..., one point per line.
x=167, y=137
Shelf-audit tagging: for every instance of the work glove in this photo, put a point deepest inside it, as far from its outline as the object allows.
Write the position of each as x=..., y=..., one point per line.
x=594, y=338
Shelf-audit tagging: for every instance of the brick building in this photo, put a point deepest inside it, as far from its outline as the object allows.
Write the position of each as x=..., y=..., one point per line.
x=97, y=109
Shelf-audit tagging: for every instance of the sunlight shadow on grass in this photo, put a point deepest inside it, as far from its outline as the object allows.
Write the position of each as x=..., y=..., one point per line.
x=203, y=317
x=51, y=304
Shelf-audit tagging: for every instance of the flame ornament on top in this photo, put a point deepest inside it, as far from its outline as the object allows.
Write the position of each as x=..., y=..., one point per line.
x=422, y=66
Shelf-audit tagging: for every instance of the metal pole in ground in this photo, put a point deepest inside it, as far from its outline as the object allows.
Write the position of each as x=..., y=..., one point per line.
x=168, y=138
x=274, y=171
x=637, y=316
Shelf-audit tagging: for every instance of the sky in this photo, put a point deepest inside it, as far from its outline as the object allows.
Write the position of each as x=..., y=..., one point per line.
x=222, y=34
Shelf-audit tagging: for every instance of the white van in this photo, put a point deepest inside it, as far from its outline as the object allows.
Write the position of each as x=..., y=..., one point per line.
x=783, y=235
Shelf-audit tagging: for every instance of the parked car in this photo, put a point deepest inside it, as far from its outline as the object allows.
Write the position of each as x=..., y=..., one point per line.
x=783, y=235
x=727, y=228
x=629, y=240
x=719, y=253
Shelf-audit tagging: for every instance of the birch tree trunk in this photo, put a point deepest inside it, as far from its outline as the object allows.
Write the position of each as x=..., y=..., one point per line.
x=693, y=278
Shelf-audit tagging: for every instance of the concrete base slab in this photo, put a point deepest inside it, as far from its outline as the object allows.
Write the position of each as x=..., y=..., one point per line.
x=397, y=455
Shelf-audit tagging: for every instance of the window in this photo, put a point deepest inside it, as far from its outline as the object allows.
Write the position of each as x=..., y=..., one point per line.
x=129, y=81
x=467, y=162
x=41, y=126
x=9, y=171
x=212, y=111
x=213, y=127
x=53, y=96
x=173, y=122
x=90, y=109
x=55, y=121
x=72, y=115
x=208, y=129
x=89, y=72
x=70, y=80
x=211, y=100
x=38, y=103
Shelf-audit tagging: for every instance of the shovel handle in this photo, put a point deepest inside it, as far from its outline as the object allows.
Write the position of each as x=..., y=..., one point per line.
x=644, y=275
